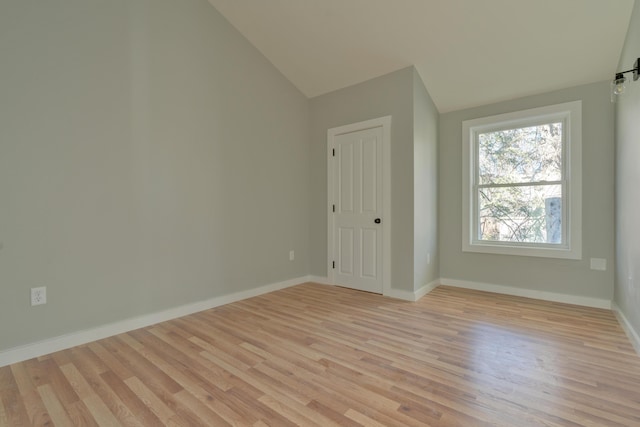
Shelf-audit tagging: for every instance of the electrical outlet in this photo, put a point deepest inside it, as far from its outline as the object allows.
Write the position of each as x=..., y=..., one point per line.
x=292, y=255
x=38, y=296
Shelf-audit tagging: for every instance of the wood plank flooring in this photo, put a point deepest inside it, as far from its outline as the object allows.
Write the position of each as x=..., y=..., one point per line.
x=315, y=355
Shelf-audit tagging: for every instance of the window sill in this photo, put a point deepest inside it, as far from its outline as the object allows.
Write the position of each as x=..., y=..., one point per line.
x=541, y=252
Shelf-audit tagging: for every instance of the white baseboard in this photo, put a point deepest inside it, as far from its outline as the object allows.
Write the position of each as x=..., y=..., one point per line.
x=632, y=334
x=399, y=294
x=529, y=293
x=40, y=348
x=391, y=293
x=322, y=280
x=411, y=296
x=426, y=289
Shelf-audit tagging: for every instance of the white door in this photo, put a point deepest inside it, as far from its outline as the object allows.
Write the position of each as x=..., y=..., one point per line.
x=356, y=209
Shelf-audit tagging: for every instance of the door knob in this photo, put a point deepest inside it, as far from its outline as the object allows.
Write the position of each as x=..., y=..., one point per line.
x=377, y=220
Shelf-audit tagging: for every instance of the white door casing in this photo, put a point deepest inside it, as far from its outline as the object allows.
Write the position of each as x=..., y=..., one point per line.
x=359, y=222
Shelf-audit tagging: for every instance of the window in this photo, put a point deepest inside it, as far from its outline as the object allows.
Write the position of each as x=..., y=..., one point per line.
x=522, y=183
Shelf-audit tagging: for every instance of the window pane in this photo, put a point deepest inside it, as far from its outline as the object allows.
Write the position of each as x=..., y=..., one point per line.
x=521, y=214
x=521, y=155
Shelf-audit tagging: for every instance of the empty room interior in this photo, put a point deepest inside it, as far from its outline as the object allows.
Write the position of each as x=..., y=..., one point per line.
x=317, y=213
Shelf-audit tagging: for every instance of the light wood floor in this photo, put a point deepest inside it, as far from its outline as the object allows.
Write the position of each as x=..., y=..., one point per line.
x=316, y=355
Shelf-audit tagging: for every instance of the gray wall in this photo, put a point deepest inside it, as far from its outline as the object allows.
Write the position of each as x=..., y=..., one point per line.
x=425, y=186
x=392, y=95
x=149, y=157
x=627, y=287
x=541, y=274
x=414, y=171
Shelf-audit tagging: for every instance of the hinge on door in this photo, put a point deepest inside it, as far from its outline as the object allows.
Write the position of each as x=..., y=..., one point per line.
x=334, y=264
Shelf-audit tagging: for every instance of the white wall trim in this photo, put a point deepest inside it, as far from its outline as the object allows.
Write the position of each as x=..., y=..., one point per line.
x=40, y=348
x=390, y=293
x=632, y=334
x=411, y=296
x=399, y=294
x=320, y=280
x=529, y=293
x=424, y=290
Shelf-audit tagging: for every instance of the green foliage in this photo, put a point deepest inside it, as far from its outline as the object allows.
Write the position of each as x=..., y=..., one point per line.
x=519, y=170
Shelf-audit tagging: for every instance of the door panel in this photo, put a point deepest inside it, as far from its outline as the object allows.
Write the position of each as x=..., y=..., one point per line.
x=369, y=174
x=357, y=168
x=346, y=178
x=369, y=261
x=346, y=255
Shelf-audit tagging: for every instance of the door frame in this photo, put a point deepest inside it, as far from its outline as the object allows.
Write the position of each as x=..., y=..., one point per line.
x=385, y=124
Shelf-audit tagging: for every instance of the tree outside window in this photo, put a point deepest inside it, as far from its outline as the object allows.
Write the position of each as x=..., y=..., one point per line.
x=520, y=184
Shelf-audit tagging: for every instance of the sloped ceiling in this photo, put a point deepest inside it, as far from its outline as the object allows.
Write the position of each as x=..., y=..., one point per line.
x=468, y=52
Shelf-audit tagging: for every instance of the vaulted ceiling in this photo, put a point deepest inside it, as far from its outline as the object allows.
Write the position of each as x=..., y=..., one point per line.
x=468, y=52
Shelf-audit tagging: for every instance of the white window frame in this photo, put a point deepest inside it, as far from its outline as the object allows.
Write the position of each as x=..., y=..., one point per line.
x=570, y=114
